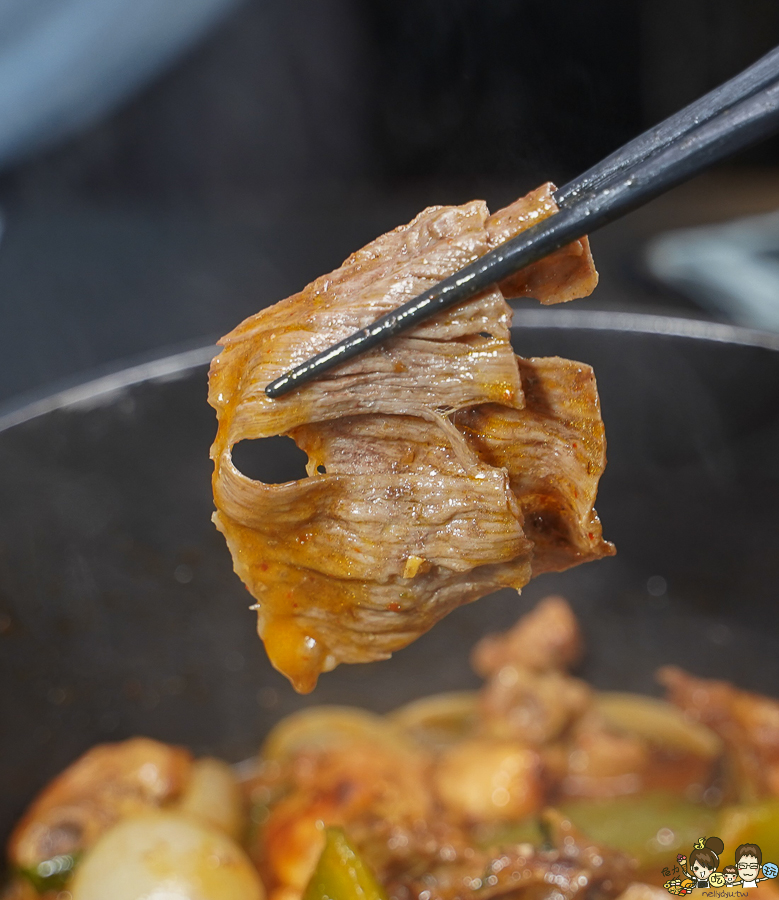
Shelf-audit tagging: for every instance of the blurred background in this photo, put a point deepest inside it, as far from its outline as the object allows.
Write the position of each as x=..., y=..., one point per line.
x=168, y=169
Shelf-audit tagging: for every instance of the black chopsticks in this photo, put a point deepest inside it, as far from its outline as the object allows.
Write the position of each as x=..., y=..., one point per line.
x=747, y=83
x=738, y=113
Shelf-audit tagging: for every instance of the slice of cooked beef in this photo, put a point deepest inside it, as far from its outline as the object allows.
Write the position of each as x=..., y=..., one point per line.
x=566, y=274
x=443, y=363
x=554, y=450
x=441, y=467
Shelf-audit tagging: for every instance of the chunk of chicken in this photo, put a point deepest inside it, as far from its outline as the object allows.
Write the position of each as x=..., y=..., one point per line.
x=548, y=637
x=108, y=783
x=380, y=794
x=747, y=723
x=488, y=780
x=529, y=696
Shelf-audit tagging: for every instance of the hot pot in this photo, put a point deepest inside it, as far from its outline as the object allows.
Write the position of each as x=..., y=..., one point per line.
x=120, y=613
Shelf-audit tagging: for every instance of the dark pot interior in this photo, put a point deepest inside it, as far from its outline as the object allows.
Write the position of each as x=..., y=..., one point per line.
x=120, y=614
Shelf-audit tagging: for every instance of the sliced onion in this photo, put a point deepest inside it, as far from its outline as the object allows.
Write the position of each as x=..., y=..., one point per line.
x=325, y=727
x=661, y=723
x=165, y=856
x=438, y=720
x=213, y=796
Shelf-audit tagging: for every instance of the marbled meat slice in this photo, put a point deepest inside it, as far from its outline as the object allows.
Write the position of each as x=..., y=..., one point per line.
x=404, y=514
x=446, y=362
x=367, y=556
x=554, y=450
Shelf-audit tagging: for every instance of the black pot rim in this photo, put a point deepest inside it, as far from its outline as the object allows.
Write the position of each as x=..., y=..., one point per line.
x=100, y=387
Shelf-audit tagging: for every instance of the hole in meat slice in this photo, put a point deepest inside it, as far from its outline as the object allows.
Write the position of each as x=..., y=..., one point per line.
x=272, y=460
x=485, y=334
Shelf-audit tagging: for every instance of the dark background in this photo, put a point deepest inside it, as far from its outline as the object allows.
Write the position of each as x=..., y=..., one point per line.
x=294, y=134
x=298, y=131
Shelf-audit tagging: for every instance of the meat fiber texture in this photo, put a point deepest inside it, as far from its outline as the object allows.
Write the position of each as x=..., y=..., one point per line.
x=441, y=467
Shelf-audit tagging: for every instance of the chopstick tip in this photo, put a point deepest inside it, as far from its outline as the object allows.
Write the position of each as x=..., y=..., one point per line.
x=279, y=387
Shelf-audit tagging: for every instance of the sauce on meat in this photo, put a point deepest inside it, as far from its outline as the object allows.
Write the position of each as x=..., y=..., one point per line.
x=441, y=466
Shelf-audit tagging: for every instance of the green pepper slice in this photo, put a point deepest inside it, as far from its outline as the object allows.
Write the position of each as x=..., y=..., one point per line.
x=51, y=874
x=341, y=874
x=652, y=827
